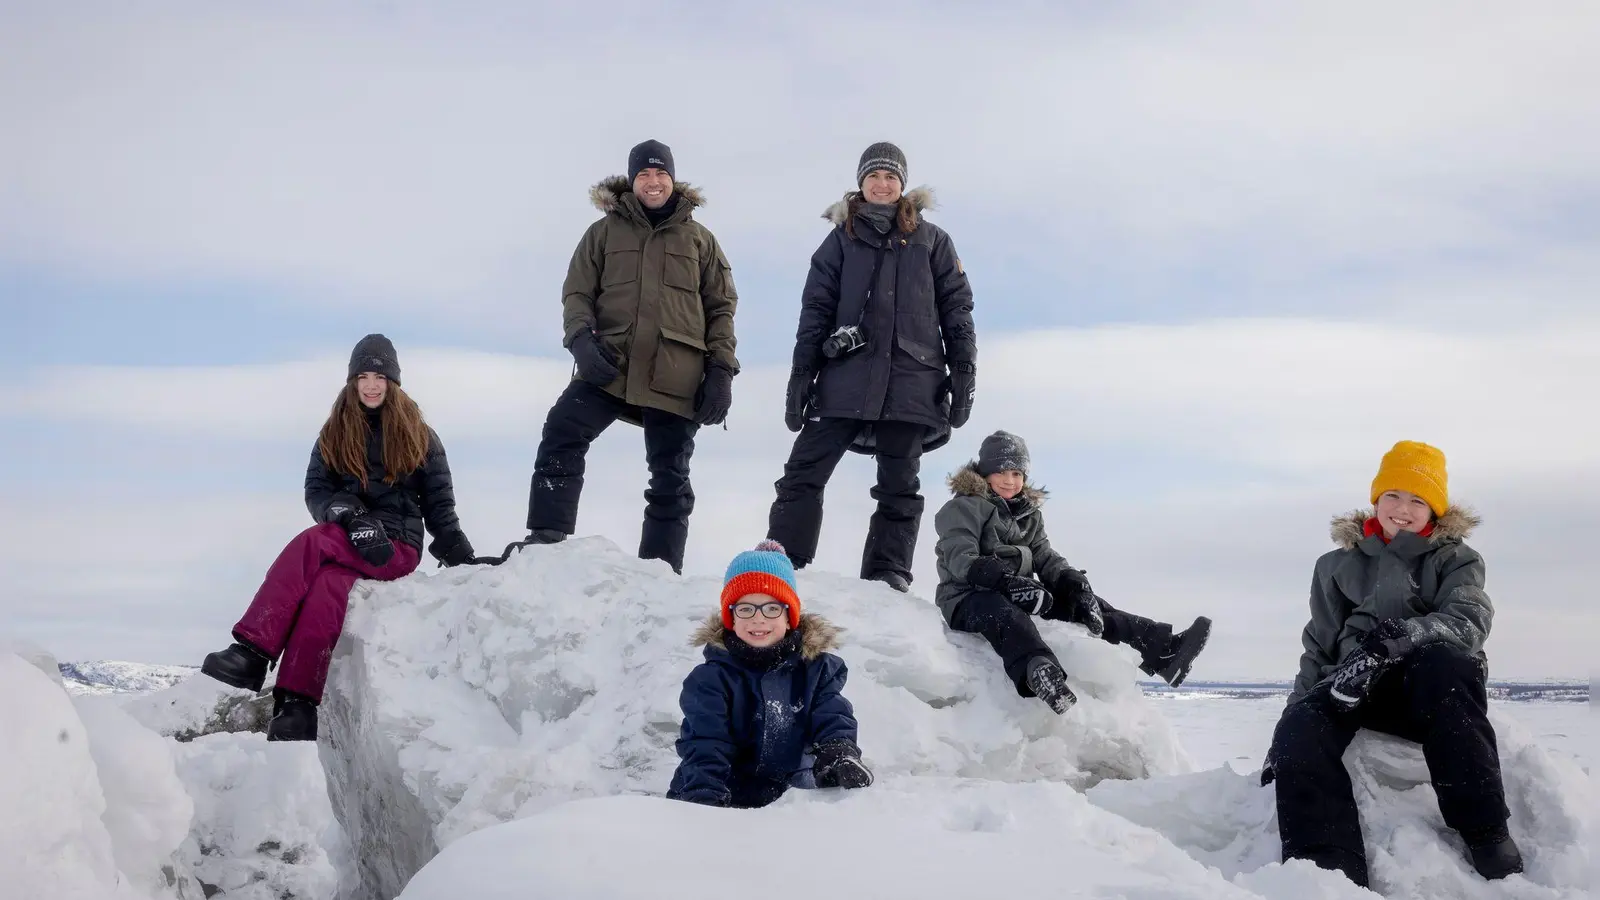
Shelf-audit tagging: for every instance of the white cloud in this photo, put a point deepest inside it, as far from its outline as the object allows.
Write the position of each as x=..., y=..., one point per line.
x=1194, y=469
x=442, y=164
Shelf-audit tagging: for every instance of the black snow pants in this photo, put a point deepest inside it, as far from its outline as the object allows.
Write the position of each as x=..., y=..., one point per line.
x=1012, y=634
x=579, y=415
x=1437, y=697
x=796, y=517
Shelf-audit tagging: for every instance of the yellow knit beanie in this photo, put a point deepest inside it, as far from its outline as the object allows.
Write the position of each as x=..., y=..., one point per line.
x=1416, y=468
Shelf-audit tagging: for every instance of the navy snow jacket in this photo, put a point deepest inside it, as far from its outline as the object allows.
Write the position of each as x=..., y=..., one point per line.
x=751, y=718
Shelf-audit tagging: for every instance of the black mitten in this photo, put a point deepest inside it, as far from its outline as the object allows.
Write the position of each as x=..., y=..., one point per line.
x=716, y=395
x=1072, y=587
x=595, y=363
x=796, y=397
x=369, y=540
x=452, y=548
x=838, y=764
x=963, y=392
x=989, y=572
x=1384, y=646
x=1029, y=595
x=341, y=509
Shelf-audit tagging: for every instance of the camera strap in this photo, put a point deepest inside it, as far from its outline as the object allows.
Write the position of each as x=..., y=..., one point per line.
x=860, y=315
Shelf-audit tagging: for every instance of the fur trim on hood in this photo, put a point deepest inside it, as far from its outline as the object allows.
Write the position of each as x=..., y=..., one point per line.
x=912, y=204
x=1457, y=523
x=608, y=193
x=966, y=482
x=819, y=635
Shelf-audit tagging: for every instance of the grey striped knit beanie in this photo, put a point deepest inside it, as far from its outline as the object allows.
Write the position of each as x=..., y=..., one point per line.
x=882, y=155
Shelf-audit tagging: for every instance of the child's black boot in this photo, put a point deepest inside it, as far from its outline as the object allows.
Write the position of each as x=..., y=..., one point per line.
x=294, y=717
x=1494, y=854
x=1166, y=655
x=1049, y=683
x=239, y=666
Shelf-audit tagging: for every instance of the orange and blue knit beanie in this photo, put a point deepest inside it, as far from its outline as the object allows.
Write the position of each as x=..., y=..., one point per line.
x=1415, y=468
x=764, y=570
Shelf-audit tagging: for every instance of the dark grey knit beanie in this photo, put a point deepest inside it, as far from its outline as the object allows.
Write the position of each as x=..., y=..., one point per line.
x=882, y=155
x=651, y=154
x=1001, y=451
x=374, y=353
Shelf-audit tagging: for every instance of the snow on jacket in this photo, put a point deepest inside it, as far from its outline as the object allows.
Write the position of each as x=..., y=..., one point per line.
x=917, y=323
x=747, y=732
x=424, y=497
x=977, y=522
x=659, y=297
x=1433, y=582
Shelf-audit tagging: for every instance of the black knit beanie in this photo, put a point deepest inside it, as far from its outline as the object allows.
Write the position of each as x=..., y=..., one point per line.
x=1002, y=451
x=650, y=155
x=375, y=353
x=882, y=155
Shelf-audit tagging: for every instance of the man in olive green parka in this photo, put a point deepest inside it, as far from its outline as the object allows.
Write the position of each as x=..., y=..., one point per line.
x=647, y=313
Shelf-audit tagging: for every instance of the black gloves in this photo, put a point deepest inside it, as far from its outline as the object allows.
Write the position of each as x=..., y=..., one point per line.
x=1073, y=588
x=716, y=395
x=368, y=538
x=963, y=391
x=797, y=397
x=341, y=509
x=1385, y=645
x=452, y=549
x=596, y=365
x=838, y=764
x=1029, y=595
x=989, y=573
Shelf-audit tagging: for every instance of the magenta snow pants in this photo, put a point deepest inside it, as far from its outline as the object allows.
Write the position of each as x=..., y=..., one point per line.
x=299, y=610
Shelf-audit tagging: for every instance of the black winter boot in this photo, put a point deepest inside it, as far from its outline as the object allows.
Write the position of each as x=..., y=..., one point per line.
x=1049, y=684
x=239, y=666
x=294, y=718
x=1171, y=658
x=1494, y=854
x=892, y=579
x=536, y=536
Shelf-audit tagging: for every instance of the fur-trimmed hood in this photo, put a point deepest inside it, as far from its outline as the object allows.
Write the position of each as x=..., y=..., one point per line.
x=913, y=204
x=818, y=635
x=966, y=482
x=1348, y=529
x=607, y=194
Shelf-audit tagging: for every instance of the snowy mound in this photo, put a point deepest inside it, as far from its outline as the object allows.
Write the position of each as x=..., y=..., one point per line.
x=199, y=705
x=1229, y=822
x=100, y=806
x=471, y=697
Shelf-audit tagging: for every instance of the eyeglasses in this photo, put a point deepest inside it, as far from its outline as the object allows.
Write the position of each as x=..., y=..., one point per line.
x=768, y=610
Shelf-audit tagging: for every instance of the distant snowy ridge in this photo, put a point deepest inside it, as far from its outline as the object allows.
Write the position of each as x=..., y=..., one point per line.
x=1545, y=690
x=116, y=677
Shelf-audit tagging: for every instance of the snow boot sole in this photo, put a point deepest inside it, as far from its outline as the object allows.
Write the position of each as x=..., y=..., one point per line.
x=1049, y=684
x=237, y=666
x=1190, y=643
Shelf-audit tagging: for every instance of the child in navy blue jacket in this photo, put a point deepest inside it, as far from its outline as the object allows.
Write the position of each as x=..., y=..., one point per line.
x=765, y=710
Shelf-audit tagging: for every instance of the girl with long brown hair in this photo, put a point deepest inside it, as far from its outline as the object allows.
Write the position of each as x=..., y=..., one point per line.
x=378, y=476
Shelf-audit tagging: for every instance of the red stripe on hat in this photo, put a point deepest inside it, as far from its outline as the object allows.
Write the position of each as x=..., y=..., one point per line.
x=746, y=583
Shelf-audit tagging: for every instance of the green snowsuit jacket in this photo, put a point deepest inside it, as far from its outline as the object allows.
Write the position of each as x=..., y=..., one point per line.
x=976, y=522
x=659, y=297
x=1435, y=583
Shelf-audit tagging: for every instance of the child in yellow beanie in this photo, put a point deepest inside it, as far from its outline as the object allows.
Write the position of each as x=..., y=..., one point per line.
x=1395, y=643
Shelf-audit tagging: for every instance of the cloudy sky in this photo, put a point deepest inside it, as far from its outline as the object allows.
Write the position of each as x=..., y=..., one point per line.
x=1223, y=258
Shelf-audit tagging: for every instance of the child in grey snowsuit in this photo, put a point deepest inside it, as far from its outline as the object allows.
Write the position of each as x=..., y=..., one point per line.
x=1395, y=643
x=997, y=570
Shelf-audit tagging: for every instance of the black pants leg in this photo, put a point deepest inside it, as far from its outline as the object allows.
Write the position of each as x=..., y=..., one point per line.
x=892, y=532
x=795, y=520
x=668, y=501
x=1437, y=696
x=579, y=415
x=1009, y=630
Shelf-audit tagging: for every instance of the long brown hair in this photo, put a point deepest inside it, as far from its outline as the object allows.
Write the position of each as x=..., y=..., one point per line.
x=343, y=442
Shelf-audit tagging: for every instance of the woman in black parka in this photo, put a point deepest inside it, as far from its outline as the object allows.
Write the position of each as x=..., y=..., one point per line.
x=885, y=362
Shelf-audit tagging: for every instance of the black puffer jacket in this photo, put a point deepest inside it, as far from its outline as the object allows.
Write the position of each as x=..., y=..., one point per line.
x=426, y=496
x=917, y=324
